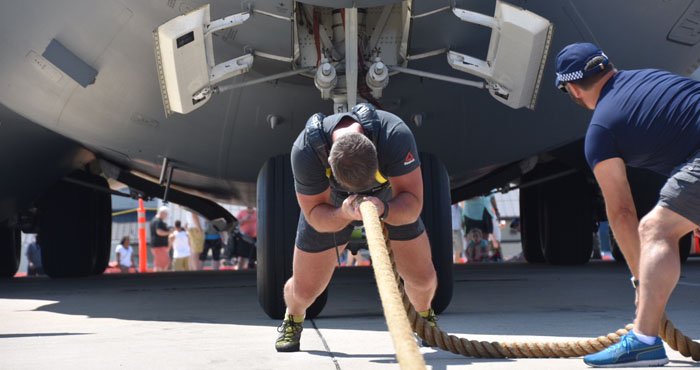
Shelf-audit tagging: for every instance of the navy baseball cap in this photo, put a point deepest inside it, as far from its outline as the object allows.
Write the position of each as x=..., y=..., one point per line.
x=579, y=60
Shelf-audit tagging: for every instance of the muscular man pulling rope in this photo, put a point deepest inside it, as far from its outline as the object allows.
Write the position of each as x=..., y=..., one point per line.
x=368, y=152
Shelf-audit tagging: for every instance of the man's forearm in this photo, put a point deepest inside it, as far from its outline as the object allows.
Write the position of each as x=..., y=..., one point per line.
x=624, y=226
x=404, y=209
x=325, y=218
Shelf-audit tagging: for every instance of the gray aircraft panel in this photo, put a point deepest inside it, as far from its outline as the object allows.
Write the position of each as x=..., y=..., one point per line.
x=221, y=146
x=445, y=30
x=32, y=159
x=265, y=34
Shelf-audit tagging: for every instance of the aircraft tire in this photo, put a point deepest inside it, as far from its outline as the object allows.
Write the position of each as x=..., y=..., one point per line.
x=68, y=234
x=567, y=220
x=530, y=224
x=278, y=216
x=437, y=217
x=10, y=250
x=102, y=214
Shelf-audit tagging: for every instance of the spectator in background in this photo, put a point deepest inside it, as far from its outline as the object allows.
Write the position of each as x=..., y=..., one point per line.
x=33, y=253
x=474, y=215
x=180, y=243
x=159, y=240
x=515, y=224
x=495, y=235
x=457, y=233
x=125, y=255
x=248, y=225
x=212, y=240
x=515, y=227
x=196, y=236
x=477, y=247
x=604, y=239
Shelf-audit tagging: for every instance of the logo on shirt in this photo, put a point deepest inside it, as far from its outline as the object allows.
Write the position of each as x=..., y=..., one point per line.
x=409, y=159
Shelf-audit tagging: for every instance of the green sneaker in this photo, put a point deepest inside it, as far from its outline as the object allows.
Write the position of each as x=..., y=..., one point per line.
x=290, y=335
x=432, y=319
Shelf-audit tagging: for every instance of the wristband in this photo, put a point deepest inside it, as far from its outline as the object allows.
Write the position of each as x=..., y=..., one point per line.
x=385, y=214
x=635, y=282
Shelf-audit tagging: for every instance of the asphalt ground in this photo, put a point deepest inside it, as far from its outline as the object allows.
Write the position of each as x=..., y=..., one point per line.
x=212, y=319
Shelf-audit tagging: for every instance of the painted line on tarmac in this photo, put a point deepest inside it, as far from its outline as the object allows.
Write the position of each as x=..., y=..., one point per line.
x=325, y=345
x=688, y=284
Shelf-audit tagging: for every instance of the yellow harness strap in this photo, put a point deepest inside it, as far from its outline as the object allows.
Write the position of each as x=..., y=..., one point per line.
x=377, y=176
x=380, y=179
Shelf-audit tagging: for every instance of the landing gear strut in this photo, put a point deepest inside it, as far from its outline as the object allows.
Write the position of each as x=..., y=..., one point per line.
x=75, y=226
x=10, y=246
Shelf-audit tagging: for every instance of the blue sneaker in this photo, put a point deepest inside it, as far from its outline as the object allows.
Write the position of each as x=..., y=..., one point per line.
x=629, y=352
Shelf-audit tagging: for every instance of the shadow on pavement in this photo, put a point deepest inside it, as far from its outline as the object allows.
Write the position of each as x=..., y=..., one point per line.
x=506, y=299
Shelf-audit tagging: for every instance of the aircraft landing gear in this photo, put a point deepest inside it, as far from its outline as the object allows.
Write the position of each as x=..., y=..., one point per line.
x=567, y=221
x=74, y=227
x=278, y=215
x=557, y=220
x=10, y=246
x=530, y=234
x=437, y=217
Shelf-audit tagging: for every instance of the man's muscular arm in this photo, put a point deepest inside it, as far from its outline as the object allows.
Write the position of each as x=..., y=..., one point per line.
x=619, y=205
x=407, y=203
x=323, y=216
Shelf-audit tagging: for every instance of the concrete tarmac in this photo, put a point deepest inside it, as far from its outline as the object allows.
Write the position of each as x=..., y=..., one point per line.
x=212, y=320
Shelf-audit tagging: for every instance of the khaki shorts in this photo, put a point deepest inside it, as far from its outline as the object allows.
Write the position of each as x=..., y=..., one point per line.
x=181, y=264
x=196, y=240
x=681, y=193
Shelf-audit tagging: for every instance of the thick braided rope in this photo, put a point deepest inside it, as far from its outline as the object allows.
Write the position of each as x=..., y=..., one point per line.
x=436, y=337
x=407, y=352
x=677, y=340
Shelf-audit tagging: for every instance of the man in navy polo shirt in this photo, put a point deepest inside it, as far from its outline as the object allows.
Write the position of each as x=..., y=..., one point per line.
x=649, y=119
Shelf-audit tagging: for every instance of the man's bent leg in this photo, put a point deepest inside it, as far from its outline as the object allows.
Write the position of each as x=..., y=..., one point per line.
x=310, y=276
x=659, y=269
x=311, y=273
x=659, y=233
x=415, y=265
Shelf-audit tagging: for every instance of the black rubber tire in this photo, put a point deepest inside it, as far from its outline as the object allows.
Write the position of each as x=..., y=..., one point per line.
x=530, y=224
x=437, y=217
x=102, y=216
x=10, y=250
x=278, y=216
x=567, y=220
x=68, y=220
x=685, y=245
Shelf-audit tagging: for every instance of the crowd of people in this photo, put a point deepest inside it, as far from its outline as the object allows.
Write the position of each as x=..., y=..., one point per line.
x=187, y=247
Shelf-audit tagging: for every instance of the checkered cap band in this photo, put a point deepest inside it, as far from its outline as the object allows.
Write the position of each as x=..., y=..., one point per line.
x=572, y=76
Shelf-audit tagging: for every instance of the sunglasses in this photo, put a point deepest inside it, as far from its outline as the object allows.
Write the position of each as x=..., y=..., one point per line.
x=562, y=87
x=599, y=62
